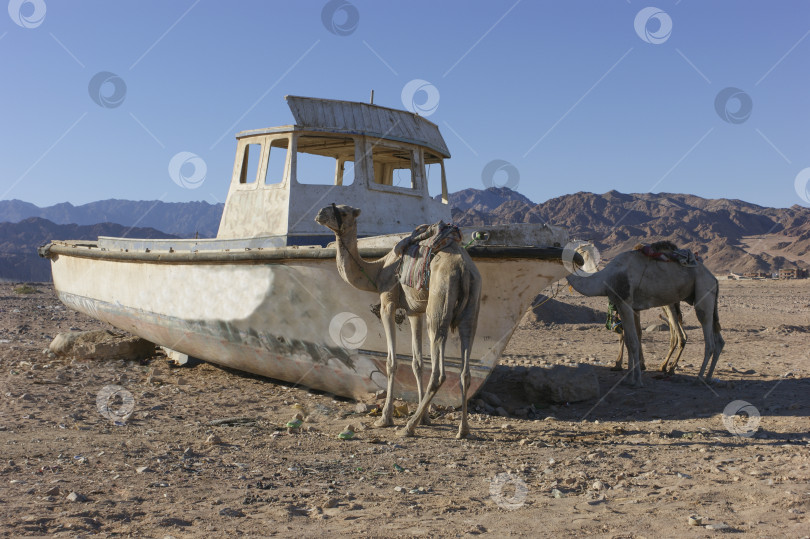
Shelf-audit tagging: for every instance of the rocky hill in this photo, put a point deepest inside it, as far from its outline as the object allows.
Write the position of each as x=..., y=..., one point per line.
x=19, y=260
x=730, y=235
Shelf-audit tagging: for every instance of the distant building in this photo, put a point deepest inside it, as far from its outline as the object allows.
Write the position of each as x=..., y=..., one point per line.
x=792, y=273
x=756, y=275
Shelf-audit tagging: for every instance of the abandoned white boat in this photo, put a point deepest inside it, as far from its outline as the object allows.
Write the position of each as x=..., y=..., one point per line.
x=265, y=296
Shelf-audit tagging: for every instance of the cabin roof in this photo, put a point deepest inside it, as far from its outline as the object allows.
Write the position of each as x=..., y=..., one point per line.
x=331, y=115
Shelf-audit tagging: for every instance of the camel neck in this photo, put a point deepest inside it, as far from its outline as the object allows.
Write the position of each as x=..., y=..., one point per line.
x=355, y=270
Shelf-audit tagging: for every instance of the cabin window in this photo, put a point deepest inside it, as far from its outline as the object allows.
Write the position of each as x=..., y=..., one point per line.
x=325, y=160
x=250, y=163
x=393, y=166
x=434, y=175
x=276, y=161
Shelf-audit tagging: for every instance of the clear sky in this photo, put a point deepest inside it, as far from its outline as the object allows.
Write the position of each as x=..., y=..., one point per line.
x=575, y=95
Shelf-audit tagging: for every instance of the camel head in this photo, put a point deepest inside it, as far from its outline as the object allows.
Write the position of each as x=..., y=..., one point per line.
x=338, y=218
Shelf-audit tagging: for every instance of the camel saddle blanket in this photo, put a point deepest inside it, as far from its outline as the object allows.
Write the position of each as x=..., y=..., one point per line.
x=418, y=250
x=684, y=257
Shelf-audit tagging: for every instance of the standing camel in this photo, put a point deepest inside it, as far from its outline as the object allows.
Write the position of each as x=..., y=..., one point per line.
x=451, y=301
x=677, y=339
x=635, y=282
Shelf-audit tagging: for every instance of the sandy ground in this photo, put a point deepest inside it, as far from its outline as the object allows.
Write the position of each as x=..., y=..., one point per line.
x=634, y=463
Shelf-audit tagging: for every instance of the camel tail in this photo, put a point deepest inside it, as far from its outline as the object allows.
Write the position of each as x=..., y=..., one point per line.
x=463, y=299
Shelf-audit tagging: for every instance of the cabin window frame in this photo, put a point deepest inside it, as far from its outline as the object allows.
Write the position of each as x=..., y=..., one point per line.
x=286, y=174
x=265, y=143
x=292, y=156
x=443, y=180
x=417, y=172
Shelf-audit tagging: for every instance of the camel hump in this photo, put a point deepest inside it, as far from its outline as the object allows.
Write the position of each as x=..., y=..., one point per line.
x=664, y=246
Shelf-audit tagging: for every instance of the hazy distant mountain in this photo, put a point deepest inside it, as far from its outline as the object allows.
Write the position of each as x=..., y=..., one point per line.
x=183, y=219
x=730, y=235
x=19, y=260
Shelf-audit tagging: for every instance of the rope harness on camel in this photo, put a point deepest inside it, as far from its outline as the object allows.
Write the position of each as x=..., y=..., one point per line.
x=418, y=250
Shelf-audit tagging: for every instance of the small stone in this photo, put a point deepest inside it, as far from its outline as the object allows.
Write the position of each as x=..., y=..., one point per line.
x=143, y=469
x=506, y=426
x=53, y=491
x=524, y=441
x=213, y=439
x=330, y=503
x=597, y=485
x=400, y=489
x=381, y=394
x=695, y=520
x=75, y=497
x=228, y=512
x=362, y=408
x=717, y=527
x=557, y=493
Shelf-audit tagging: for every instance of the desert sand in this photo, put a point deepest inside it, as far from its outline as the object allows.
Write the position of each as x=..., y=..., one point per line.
x=633, y=463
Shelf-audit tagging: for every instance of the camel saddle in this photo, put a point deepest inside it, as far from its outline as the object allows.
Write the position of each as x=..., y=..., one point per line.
x=666, y=251
x=418, y=249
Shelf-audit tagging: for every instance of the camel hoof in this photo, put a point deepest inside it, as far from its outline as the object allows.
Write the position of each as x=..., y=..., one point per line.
x=643, y=367
x=462, y=433
x=617, y=368
x=406, y=433
x=384, y=422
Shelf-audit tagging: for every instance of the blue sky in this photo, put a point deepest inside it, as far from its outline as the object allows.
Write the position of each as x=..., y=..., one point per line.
x=574, y=95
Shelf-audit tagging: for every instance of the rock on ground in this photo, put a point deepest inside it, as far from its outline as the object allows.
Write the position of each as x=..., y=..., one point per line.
x=101, y=344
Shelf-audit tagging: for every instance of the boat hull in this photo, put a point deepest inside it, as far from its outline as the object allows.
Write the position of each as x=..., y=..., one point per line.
x=294, y=319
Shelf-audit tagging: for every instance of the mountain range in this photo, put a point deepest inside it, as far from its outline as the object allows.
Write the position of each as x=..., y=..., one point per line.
x=729, y=235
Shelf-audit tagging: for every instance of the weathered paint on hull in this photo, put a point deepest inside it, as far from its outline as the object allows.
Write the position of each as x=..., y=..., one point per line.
x=296, y=321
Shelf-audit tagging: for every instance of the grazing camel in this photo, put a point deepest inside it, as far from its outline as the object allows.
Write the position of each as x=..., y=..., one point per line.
x=451, y=301
x=635, y=282
x=677, y=339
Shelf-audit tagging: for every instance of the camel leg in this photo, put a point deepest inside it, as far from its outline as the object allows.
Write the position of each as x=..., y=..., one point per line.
x=706, y=310
x=673, y=335
x=466, y=333
x=388, y=310
x=680, y=335
x=438, y=321
x=714, y=329
x=416, y=347
x=637, y=317
x=631, y=340
x=618, y=365
x=437, y=377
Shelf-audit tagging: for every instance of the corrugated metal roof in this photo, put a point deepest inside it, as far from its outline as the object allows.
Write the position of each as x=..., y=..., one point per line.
x=371, y=120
